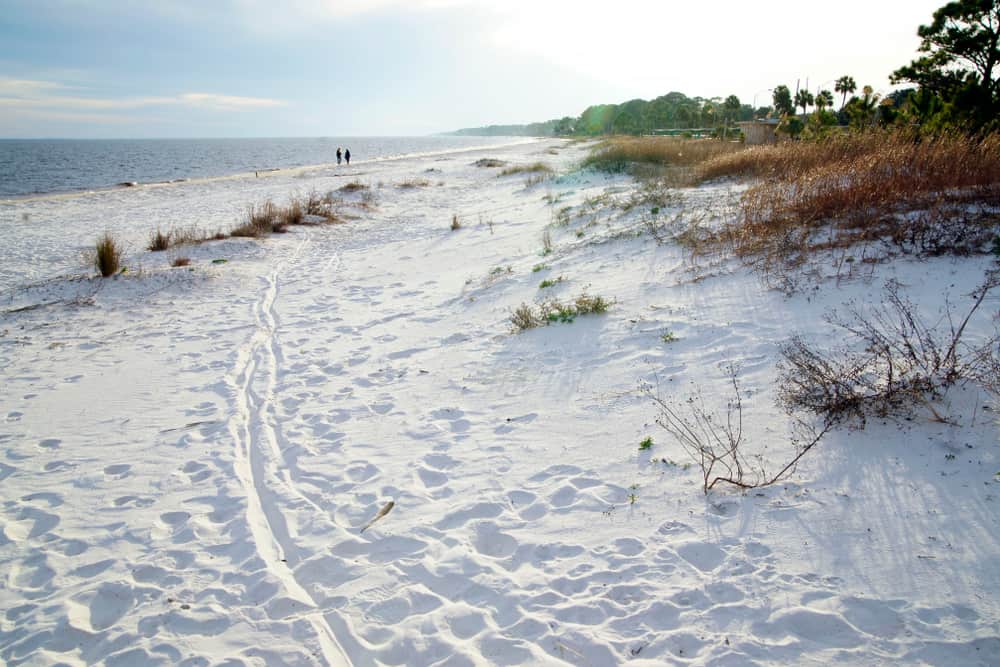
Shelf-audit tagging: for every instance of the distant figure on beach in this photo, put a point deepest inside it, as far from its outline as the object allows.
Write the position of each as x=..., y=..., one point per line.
x=347, y=155
x=339, y=154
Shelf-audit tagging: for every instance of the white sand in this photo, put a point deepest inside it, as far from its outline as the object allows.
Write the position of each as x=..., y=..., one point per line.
x=188, y=456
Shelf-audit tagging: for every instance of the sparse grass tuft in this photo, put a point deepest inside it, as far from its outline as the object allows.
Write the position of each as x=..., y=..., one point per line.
x=455, y=223
x=414, y=183
x=107, y=255
x=158, y=241
x=646, y=444
x=354, y=186
x=180, y=261
x=547, y=246
x=293, y=214
x=539, y=267
x=260, y=221
x=545, y=284
x=489, y=162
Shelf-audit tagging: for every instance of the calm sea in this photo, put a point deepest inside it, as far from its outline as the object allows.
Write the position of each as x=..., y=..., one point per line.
x=42, y=166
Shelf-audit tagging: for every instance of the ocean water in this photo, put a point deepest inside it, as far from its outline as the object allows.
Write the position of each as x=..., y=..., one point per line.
x=43, y=166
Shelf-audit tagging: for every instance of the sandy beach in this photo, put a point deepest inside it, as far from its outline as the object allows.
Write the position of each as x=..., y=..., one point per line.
x=188, y=455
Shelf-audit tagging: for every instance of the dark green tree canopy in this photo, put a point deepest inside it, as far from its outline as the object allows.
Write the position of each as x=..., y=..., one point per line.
x=782, y=99
x=960, y=48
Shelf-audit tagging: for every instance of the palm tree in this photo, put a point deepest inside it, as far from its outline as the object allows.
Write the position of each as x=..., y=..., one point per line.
x=846, y=86
x=824, y=99
x=803, y=98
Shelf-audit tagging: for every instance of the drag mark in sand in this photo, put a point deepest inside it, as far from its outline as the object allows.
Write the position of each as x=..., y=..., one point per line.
x=258, y=459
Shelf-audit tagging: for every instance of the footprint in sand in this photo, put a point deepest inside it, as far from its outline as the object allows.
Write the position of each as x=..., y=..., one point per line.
x=703, y=556
x=431, y=478
x=467, y=514
x=119, y=470
x=490, y=541
x=50, y=443
x=361, y=472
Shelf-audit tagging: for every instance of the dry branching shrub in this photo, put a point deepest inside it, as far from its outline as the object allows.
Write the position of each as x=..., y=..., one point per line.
x=631, y=154
x=717, y=444
x=894, y=360
x=107, y=255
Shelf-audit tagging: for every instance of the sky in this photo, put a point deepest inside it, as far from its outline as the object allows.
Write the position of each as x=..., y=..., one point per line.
x=264, y=68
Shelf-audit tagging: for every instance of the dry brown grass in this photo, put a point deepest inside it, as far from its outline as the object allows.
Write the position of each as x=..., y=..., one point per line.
x=354, y=186
x=108, y=255
x=158, y=241
x=534, y=168
x=260, y=221
x=637, y=154
x=414, y=183
x=886, y=186
x=180, y=261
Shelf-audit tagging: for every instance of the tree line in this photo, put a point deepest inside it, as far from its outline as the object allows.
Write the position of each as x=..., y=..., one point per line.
x=953, y=80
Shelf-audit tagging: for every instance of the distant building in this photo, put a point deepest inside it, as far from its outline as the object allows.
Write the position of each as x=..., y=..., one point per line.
x=756, y=132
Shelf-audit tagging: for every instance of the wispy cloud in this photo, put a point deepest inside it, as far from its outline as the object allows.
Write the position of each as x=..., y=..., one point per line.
x=51, y=95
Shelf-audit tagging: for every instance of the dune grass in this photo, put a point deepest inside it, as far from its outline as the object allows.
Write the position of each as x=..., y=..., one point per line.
x=534, y=168
x=640, y=155
x=108, y=254
x=914, y=193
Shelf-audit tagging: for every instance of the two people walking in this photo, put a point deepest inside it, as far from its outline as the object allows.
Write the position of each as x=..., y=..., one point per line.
x=346, y=155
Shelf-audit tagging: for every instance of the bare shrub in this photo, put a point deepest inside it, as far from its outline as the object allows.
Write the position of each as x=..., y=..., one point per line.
x=108, y=255
x=893, y=361
x=716, y=442
x=158, y=241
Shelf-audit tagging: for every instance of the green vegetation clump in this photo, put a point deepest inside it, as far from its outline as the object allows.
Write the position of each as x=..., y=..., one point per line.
x=646, y=444
x=553, y=311
x=545, y=284
x=489, y=162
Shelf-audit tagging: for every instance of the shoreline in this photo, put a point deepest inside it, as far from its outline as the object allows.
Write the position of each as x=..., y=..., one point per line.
x=125, y=185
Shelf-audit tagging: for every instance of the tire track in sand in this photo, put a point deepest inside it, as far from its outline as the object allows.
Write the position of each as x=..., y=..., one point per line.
x=258, y=461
